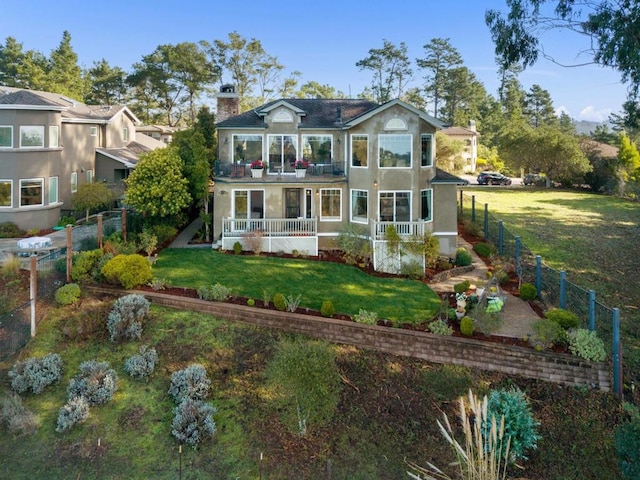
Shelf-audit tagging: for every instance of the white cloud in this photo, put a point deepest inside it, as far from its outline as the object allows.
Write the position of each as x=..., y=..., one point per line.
x=562, y=109
x=590, y=113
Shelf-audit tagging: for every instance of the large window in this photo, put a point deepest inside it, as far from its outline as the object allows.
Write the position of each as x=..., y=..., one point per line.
x=426, y=197
x=31, y=190
x=426, y=145
x=54, y=141
x=74, y=182
x=394, y=151
x=359, y=206
x=359, y=151
x=32, y=136
x=6, y=136
x=317, y=149
x=247, y=148
x=53, y=190
x=6, y=187
x=283, y=153
x=395, y=206
x=330, y=204
x=248, y=204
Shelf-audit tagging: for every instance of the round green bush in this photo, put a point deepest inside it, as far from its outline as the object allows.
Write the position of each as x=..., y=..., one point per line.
x=68, y=294
x=127, y=270
x=483, y=249
x=466, y=326
x=528, y=291
x=279, y=302
x=462, y=286
x=587, y=345
x=564, y=318
x=463, y=257
x=237, y=248
x=327, y=309
x=251, y=302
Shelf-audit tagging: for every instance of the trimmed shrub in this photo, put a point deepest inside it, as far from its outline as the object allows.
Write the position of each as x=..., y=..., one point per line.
x=412, y=269
x=548, y=333
x=237, y=248
x=483, y=249
x=327, y=309
x=279, y=302
x=251, y=302
x=35, y=374
x=127, y=270
x=440, y=327
x=76, y=410
x=85, y=265
x=97, y=383
x=462, y=286
x=190, y=383
x=140, y=366
x=164, y=233
x=68, y=294
x=519, y=424
x=365, y=317
x=10, y=230
x=16, y=416
x=214, y=293
x=586, y=344
x=628, y=449
x=125, y=317
x=193, y=422
x=562, y=317
x=528, y=292
x=463, y=257
x=466, y=326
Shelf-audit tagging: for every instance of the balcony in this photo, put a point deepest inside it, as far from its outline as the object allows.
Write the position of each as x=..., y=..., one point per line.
x=278, y=173
x=404, y=229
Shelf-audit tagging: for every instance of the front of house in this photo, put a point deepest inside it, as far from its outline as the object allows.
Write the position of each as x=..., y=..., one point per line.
x=365, y=164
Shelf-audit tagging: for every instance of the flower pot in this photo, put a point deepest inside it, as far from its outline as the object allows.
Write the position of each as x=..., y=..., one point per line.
x=301, y=172
x=459, y=315
x=256, y=172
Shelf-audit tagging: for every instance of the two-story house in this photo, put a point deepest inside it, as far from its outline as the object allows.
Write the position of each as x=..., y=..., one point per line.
x=469, y=137
x=366, y=164
x=51, y=144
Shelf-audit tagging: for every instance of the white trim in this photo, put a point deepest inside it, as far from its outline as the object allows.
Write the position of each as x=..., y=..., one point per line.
x=351, y=217
x=395, y=219
x=38, y=179
x=442, y=234
x=31, y=107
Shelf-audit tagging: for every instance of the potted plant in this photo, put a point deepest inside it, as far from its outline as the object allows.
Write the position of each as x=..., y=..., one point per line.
x=256, y=168
x=461, y=305
x=301, y=168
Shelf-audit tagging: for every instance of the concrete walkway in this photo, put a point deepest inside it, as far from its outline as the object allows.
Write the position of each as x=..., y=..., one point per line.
x=185, y=236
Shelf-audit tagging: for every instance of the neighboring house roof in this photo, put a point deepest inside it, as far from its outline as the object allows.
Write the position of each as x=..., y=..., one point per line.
x=162, y=129
x=459, y=131
x=446, y=177
x=321, y=113
x=603, y=149
x=129, y=156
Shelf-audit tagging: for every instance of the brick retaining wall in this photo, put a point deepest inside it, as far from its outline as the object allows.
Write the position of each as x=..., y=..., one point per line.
x=553, y=367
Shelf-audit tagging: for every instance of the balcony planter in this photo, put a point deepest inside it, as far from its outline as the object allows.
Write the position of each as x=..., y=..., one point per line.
x=256, y=173
x=301, y=172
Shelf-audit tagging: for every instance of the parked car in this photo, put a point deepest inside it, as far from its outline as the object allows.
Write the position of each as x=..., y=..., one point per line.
x=533, y=179
x=493, y=178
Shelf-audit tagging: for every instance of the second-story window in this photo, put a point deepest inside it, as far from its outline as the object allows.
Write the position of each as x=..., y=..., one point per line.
x=32, y=136
x=394, y=151
x=247, y=148
x=359, y=151
x=54, y=141
x=426, y=145
x=317, y=149
x=6, y=136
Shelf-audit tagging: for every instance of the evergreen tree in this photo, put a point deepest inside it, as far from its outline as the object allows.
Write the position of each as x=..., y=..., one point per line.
x=440, y=58
x=65, y=75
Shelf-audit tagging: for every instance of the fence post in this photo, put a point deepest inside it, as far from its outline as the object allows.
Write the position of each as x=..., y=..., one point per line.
x=486, y=221
x=500, y=237
x=99, y=230
x=563, y=289
x=33, y=291
x=473, y=208
x=123, y=221
x=517, y=250
x=617, y=357
x=592, y=310
x=69, y=251
x=539, y=275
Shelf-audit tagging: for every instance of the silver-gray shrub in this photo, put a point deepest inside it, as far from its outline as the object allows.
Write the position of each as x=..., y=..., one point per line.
x=97, y=382
x=125, y=317
x=193, y=422
x=143, y=363
x=16, y=416
x=365, y=317
x=35, y=374
x=76, y=410
x=190, y=383
x=216, y=293
x=440, y=327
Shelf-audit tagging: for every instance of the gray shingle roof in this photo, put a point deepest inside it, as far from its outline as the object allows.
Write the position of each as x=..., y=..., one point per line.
x=446, y=177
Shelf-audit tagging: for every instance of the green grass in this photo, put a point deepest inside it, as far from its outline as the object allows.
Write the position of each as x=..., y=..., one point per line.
x=350, y=289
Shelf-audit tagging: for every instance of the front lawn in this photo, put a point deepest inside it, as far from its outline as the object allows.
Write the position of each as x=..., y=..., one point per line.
x=350, y=289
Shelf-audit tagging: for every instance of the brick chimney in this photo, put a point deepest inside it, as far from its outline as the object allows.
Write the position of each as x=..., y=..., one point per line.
x=228, y=103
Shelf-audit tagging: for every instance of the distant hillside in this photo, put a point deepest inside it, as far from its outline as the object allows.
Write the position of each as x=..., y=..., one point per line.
x=585, y=127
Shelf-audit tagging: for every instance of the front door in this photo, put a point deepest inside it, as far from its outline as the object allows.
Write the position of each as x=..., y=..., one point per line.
x=292, y=203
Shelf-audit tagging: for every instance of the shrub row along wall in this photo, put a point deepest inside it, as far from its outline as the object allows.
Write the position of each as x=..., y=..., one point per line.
x=558, y=368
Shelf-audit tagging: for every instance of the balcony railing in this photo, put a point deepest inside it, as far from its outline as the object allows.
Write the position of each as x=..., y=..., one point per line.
x=408, y=229
x=243, y=170
x=270, y=227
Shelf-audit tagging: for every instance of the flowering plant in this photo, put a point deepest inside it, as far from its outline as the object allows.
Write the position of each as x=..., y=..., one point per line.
x=257, y=165
x=461, y=297
x=301, y=165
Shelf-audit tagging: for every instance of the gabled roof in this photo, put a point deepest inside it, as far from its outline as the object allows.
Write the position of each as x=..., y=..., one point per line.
x=129, y=156
x=460, y=131
x=446, y=177
x=385, y=106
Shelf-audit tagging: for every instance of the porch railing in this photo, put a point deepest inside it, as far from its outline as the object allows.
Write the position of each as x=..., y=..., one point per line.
x=270, y=227
x=403, y=228
x=243, y=170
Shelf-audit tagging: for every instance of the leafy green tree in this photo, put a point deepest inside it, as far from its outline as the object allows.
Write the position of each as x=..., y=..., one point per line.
x=157, y=187
x=306, y=380
x=629, y=159
x=315, y=90
x=440, y=58
x=449, y=153
x=462, y=98
x=107, y=84
x=11, y=59
x=391, y=70
x=92, y=195
x=65, y=75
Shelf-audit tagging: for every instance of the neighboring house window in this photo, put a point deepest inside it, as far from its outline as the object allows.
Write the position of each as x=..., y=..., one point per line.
x=283, y=153
x=32, y=136
x=317, y=149
x=248, y=204
x=74, y=182
x=395, y=206
x=247, y=148
x=426, y=144
x=359, y=151
x=6, y=189
x=53, y=190
x=359, y=206
x=89, y=176
x=6, y=136
x=93, y=131
x=125, y=134
x=426, y=197
x=330, y=204
x=54, y=141
x=394, y=151
x=31, y=190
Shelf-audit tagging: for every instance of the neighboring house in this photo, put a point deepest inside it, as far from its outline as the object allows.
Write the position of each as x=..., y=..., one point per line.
x=367, y=164
x=469, y=137
x=51, y=144
x=161, y=133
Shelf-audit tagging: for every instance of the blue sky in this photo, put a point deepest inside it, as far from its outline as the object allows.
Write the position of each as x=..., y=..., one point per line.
x=323, y=40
